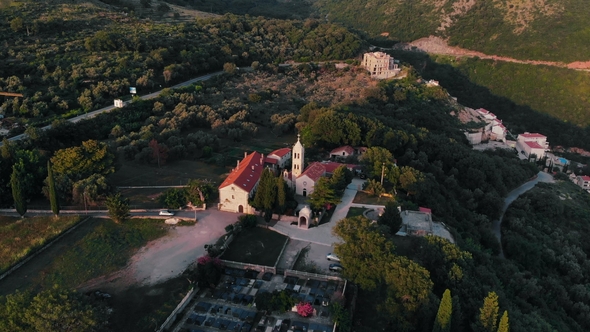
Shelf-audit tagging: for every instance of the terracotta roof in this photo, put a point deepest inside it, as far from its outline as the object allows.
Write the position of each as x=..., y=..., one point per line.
x=483, y=111
x=247, y=174
x=426, y=210
x=280, y=152
x=331, y=166
x=314, y=171
x=347, y=148
x=270, y=160
x=534, y=145
x=533, y=135
x=585, y=178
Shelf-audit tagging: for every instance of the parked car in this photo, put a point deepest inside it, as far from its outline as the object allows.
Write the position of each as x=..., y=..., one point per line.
x=332, y=257
x=166, y=213
x=336, y=268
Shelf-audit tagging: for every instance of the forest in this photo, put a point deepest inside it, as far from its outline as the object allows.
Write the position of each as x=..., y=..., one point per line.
x=553, y=30
x=64, y=67
x=543, y=30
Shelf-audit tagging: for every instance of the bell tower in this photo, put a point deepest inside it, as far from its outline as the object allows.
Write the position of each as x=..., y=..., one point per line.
x=297, y=158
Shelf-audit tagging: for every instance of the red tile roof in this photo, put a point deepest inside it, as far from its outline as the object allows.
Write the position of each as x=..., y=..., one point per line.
x=331, y=166
x=483, y=110
x=269, y=160
x=247, y=174
x=426, y=210
x=585, y=178
x=280, y=152
x=534, y=145
x=314, y=171
x=347, y=148
x=533, y=135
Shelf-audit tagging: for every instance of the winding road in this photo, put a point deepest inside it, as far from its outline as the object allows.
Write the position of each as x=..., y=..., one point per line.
x=512, y=196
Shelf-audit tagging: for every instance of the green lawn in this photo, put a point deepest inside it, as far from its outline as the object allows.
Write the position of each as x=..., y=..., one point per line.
x=355, y=211
x=21, y=237
x=106, y=250
x=364, y=198
x=256, y=246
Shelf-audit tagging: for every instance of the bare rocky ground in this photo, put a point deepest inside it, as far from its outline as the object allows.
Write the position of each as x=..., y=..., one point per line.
x=437, y=45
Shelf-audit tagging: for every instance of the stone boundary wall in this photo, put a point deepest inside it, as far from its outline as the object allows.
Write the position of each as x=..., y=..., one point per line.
x=308, y=275
x=248, y=266
x=180, y=307
x=40, y=250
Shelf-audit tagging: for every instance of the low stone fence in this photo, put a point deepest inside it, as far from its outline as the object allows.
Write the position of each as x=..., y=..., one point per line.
x=247, y=266
x=301, y=274
x=179, y=308
x=284, y=217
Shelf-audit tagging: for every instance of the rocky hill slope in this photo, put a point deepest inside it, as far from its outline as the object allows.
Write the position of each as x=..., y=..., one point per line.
x=530, y=29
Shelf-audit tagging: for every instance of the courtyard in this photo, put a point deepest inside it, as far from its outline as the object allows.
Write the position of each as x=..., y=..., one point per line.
x=258, y=245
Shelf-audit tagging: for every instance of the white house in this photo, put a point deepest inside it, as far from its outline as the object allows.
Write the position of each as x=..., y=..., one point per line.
x=342, y=152
x=474, y=136
x=240, y=184
x=380, y=65
x=498, y=131
x=528, y=144
x=584, y=182
x=282, y=156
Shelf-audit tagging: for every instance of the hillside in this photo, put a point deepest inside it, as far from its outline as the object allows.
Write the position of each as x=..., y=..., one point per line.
x=532, y=29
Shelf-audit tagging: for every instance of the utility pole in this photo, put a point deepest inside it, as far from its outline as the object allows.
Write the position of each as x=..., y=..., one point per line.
x=85, y=207
x=382, y=173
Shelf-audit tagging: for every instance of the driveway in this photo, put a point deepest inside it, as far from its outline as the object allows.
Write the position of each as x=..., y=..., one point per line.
x=168, y=256
x=512, y=196
x=322, y=234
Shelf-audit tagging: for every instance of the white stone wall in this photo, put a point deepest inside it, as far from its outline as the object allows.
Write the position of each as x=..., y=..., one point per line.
x=308, y=186
x=231, y=197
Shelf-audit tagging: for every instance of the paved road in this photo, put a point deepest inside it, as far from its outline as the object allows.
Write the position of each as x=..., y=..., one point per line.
x=104, y=213
x=109, y=108
x=512, y=196
x=322, y=234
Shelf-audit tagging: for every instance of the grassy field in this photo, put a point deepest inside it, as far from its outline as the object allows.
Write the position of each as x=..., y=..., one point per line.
x=21, y=237
x=354, y=212
x=146, y=308
x=256, y=246
x=105, y=250
x=364, y=198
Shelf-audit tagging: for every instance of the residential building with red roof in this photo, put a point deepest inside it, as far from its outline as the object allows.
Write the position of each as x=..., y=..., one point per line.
x=281, y=157
x=241, y=183
x=342, y=152
x=584, y=182
x=528, y=144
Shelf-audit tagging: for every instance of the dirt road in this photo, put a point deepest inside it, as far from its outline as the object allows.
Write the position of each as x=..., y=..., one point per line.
x=437, y=45
x=168, y=256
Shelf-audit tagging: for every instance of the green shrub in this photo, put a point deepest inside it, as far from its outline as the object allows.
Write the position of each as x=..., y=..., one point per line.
x=248, y=220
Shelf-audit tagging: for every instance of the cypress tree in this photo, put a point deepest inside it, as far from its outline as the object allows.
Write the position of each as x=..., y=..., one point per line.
x=281, y=195
x=266, y=195
x=504, y=325
x=445, y=311
x=488, y=314
x=52, y=191
x=20, y=203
